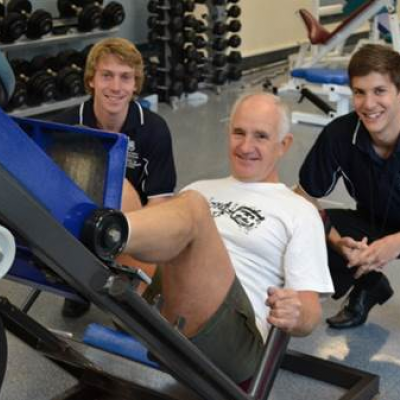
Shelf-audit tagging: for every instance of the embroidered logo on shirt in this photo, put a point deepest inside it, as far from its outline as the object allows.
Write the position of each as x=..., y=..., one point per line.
x=133, y=160
x=246, y=217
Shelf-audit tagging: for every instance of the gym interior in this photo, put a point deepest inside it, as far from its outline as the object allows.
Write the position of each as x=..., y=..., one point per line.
x=273, y=41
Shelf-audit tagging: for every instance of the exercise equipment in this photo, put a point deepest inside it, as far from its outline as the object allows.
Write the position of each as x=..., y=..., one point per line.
x=54, y=224
x=113, y=15
x=68, y=79
x=320, y=86
x=39, y=23
x=12, y=26
x=40, y=85
x=7, y=251
x=326, y=41
x=89, y=16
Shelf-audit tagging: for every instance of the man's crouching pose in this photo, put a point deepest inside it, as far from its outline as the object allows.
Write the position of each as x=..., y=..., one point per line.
x=238, y=253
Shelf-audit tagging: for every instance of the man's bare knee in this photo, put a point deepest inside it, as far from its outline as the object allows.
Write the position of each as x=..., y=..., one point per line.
x=198, y=207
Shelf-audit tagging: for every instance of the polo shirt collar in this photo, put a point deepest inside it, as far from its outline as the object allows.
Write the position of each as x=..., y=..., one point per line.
x=362, y=139
x=134, y=119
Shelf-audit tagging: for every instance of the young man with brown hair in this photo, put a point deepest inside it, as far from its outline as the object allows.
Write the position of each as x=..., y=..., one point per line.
x=114, y=77
x=363, y=148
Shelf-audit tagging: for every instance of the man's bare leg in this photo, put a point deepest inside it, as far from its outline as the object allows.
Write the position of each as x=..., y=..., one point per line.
x=181, y=236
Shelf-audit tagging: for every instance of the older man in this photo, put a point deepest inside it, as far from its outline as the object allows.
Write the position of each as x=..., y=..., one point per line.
x=239, y=253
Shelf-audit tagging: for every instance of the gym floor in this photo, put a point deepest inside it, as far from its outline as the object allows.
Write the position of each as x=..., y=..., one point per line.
x=199, y=143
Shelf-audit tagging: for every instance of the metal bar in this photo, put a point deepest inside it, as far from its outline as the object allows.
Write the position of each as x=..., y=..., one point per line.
x=274, y=352
x=30, y=300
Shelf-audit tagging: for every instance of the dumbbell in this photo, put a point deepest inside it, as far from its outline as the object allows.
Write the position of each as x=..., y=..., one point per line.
x=223, y=2
x=176, y=71
x=39, y=23
x=176, y=39
x=113, y=14
x=176, y=88
x=19, y=96
x=40, y=85
x=68, y=80
x=195, y=57
x=220, y=44
x=182, y=81
x=12, y=26
x=175, y=24
x=234, y=57
x=233, y=11
x=89, y=16
x=176, y=7
x=219, y=28
x=235, y=72
x=218, y=77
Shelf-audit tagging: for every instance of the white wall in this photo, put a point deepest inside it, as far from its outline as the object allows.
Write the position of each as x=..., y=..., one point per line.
x=271, y=25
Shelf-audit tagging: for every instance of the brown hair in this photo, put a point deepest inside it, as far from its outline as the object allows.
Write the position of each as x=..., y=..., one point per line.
x=121, y=48
x=375, y=58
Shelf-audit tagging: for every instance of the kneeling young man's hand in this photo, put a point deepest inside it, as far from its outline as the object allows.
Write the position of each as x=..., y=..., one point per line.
x=292, y=311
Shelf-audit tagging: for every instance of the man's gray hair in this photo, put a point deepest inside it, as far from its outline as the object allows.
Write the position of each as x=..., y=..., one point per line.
x=284, y=121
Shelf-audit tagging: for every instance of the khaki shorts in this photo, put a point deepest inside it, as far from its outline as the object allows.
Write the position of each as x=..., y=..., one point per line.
x=230, y=338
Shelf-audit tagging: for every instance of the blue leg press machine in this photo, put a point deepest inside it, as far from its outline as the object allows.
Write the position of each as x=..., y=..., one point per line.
x=52, y=177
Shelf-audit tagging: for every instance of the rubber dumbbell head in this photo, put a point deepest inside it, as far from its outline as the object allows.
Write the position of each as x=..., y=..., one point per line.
x=235, y=57
x=39, y=23
x=235, y=73
x=113, y=15
x=19, y=6
x=234, y=11
x=12, y=27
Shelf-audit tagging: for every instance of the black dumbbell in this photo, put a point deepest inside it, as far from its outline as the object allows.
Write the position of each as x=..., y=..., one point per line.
x=39, y=23
x=195, y=57
x=218, y=77
x=12, y=26
x=113, y=14
x=176, y=88
x=220, y=28
x=233, y=11
x=68, y=79
x=235, y=57
x=40, y=85
x=175, y=24
x=89, y=16
x=235, y=72
x=220, y=44
x=176, y=71
x=176, y=39
x=175, y=7
x=19, y=96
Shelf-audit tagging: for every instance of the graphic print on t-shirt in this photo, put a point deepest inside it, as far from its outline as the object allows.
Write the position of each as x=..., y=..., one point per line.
x=246, y=217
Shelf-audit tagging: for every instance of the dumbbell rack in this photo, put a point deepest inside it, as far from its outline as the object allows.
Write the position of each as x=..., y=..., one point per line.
x=218, y=20
x=46, y=41
x=167, y=76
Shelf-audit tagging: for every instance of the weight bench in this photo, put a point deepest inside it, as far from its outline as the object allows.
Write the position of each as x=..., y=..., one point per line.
x=320, y=86
x=323, y=42
x=48, y=221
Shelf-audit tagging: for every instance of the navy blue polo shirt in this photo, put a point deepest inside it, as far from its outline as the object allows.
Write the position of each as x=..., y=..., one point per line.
x=150, y=162
x=344, y=150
